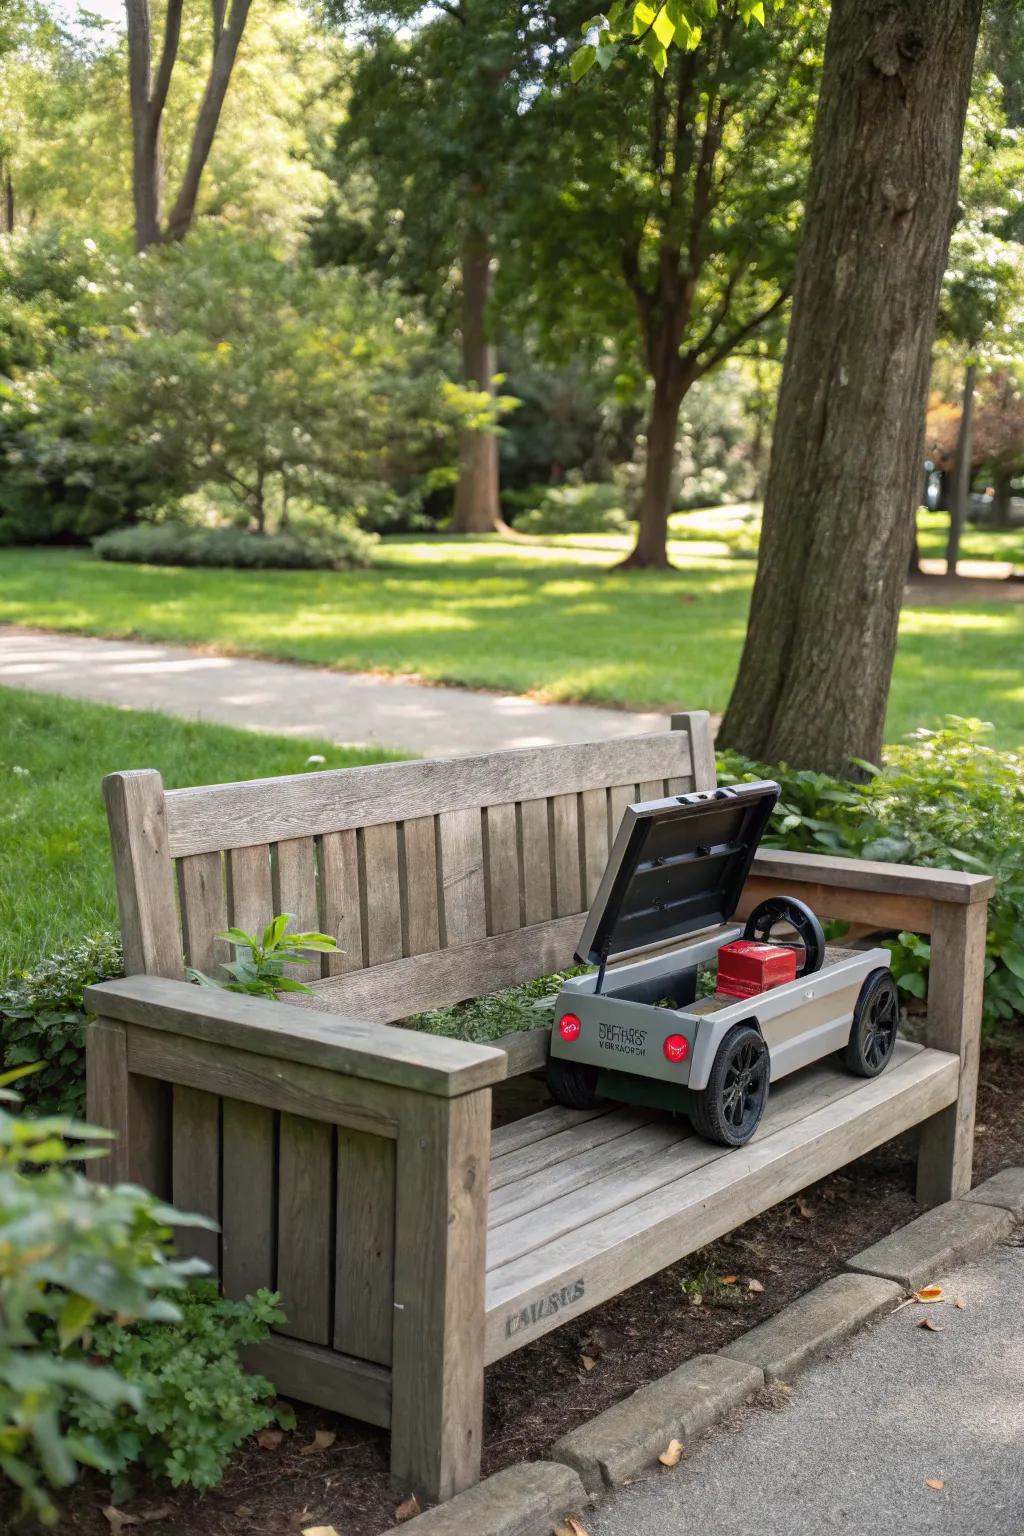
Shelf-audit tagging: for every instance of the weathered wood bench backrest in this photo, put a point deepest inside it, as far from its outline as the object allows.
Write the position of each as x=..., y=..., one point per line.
x=439, y=879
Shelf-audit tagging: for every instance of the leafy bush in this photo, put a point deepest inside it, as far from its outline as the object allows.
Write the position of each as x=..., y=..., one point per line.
x=43, y=1018
x=195, y=1403
x=575, y=509
x=341, y=546
x=71, y=1254
x=262, y=974
x=528, y=1006
x=943, y=800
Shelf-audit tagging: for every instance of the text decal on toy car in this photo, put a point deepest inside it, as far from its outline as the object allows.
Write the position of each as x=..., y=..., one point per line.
x=548, y=1306
x=625, y=1041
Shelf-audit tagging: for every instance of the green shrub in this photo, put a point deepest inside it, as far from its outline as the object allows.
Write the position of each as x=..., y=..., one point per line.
x=71, y=1254
x=528, y=1006
x=195, y=1402
x=172, y=543
x=43, y=1018
x=944, y=800
x=587, y=508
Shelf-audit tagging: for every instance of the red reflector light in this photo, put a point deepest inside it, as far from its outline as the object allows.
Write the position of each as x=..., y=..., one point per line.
x=569, y=1026
x=676, y=1048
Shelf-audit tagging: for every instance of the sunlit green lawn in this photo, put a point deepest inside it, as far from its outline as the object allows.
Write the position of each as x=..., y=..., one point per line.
x=56, y=880
x=542, y=617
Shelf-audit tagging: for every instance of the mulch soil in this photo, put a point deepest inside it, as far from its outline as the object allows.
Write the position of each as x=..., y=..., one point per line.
x=563, y=1379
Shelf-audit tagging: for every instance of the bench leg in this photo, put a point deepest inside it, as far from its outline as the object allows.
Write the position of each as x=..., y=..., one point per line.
x=440, y=1252
x=136, y=1108
x=955, y=984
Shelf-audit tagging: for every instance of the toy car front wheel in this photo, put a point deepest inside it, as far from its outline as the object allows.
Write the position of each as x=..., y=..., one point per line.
x=572, y=1083
x=876, y=1020
x=729, y=1109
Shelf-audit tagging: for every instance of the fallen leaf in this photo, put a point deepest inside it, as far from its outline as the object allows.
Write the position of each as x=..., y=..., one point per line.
x=960, y=1303
x=755, y=1285
x=570, y=1526
x=672, y=1455
x=319, y=1530
x=407, y=1508
x=805, y=1210
x=728, y=1279
x=927, y=1323
x=587, y=1362
x=269, y=1439
x=934, y=1482
x=929, y=1293
x=321, y=1441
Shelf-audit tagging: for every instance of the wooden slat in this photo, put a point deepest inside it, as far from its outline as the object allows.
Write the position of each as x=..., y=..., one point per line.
x=553, y=1146
x=250, y=891
x=619, y=797
x=304, y=1227
x=364, y=1294
x=584, y=1166
x=539, y=1127
x=695, y=725
x=195, y=1169
x=565, y=841
x=247, y=1198
x=651, y=789
x=418, y=859
x=527, y=1050
x=106, y=1099
x=204, y=911
x=449, y=976
x=877, y=879
x=321, y=1376
x=383, y=906
x=271, y=810
x=956, y=983
x=594, y=829
x=460, y=835
x=294, y=871
x=502, y=868
x=340, y=915
x=337, y=1043
x=880, y=909
x=535, y=860
x=641, y=1236
x=140, y=845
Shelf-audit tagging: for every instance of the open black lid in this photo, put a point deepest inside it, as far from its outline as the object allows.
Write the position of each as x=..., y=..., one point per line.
x=678, y=865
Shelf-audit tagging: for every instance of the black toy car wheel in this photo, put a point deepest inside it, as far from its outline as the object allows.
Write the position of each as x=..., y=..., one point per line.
x=788, y=912
x=876, y=1020
x=572, y=1083
x=729, y=1109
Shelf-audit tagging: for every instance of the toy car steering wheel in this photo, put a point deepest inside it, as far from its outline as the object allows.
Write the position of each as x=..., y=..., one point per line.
x=777, y=910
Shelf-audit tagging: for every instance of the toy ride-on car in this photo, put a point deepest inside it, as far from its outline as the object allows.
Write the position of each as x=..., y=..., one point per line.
x=639, y=1033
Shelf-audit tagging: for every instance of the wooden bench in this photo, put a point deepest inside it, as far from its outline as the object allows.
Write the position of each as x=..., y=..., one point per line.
x=352, y=1165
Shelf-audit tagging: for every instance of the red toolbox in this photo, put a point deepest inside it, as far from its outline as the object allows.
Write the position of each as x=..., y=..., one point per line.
x=746, y=968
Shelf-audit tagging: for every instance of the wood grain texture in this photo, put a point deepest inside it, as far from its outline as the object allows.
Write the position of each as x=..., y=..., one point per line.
x=382, y=914
x=143, y=872
x=295, y=891
x=532, y=1129
x=195, y=1170
x=501, y=859
x=619, y=797
x=695, y=725
x=364, y=1273
x=866, y=875
x=956, y=983
x=340, y=911
x=303, y=805
x=248, y=1197
x=204, y=911
x=437, y=1413
x=527, y=1050
x=250, y=888
x=565, y=845
x=460, y=836
x=305, y=1248
x=535, y=861
x=310, y=1374
x=418, y=879
x=879, y=909
x=594, y=836
x=106, y=1098
x=553, y=1142
x=583, y=1166
x=342, y=1044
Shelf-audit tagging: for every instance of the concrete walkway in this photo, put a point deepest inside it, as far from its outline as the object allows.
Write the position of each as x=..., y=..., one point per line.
x=347, y=708
x=855, y=1446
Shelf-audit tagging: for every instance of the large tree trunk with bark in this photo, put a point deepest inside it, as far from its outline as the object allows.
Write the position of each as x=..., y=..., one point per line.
x=477, y=507
x=651, y=550
x=814, y=677
x=962, y=493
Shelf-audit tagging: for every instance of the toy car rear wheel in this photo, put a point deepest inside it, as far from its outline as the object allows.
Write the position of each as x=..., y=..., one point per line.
x=876, y=1018
x=729, y=1109
x=572, y=1083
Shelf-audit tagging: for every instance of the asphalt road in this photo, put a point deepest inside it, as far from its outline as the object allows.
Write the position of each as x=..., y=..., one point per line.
x=854, y=1446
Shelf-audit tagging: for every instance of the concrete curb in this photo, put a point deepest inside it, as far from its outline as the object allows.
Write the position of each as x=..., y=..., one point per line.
x=808, y=1328
x=1005, y=1188
x=526, y=1499
x=942, y=1238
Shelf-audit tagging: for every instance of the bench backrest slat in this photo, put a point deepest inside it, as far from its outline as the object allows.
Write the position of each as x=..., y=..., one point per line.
x=495, y=858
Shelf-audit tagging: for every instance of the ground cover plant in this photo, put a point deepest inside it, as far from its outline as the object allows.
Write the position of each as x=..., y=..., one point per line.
x=531, y=616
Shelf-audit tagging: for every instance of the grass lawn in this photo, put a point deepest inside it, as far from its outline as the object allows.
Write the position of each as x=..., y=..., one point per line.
x=56, y=880
x=542, y=617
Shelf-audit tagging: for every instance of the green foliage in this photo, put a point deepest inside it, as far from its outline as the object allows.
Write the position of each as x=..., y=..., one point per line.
x=527, y=1006
x=911, y=956
x=43, y=1019
x=193, y=1401
x=575, y=508
x=71, y=1254
x=944, y=800
x=336, y=545
x=654, y=29
x=262, y=974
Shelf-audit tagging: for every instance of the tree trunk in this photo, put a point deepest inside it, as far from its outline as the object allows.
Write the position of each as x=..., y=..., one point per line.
x=477, y=507
x=945, y=496
x=814, y=677
x=145, y=126
x=962, y=490
x=1004, y=493
x=914, y=558
x=651, y=551
x=227, y=37
x=9, y=201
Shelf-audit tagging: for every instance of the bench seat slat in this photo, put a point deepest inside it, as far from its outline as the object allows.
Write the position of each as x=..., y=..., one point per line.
x=548, y=1150
x=573, y=1173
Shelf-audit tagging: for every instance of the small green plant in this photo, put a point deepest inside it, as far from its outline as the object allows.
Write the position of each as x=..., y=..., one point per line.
x=262, y=974
x=527, y=1006
x=72, y=1253
x=705, y=1288
x=195, y=1402
x=910, y=958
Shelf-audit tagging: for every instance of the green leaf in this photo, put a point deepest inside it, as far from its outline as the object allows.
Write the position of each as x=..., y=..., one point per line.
x=664, y=29
x=914, y=983
x=1013, y=959
x=583, y=59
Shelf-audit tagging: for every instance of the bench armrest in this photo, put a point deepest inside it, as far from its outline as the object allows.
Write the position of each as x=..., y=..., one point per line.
x=356, y=1047
x=951, y=885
